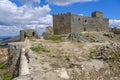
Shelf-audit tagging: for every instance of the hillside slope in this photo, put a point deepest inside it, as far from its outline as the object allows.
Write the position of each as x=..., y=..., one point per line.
x=4, y=42
x=68, y=59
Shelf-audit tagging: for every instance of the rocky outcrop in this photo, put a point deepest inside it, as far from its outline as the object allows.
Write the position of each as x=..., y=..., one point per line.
x=86, y=70
x=83, y=37
x=110, y=54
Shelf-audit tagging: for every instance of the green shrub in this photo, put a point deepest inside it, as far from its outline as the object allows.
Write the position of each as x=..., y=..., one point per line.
x=36, y=58
x=92, y=40
x=92, y=54
x=39, y=48
x=67, y=58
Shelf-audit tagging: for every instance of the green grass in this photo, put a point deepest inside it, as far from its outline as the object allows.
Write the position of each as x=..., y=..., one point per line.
x=7, y=76
x=54, y=38
x=39, y=48
x=115, y=56
x=2, y=65
x=3, y=72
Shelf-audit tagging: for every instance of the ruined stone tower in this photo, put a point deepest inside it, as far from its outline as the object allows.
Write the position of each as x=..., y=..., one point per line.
x=67, y=23
x=28, y=33
x=97, y=15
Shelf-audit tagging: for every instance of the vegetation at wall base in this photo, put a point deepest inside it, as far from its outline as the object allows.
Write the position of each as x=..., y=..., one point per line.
x=54, y=38
x=7, y=76
x=3, y=65
x=4, y=74
x=39, y=48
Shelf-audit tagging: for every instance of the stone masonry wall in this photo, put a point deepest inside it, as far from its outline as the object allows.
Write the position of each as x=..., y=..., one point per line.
x=61, y=23
x=28, y=33
x=66, y=23
x=14, y=53
x=81, y=23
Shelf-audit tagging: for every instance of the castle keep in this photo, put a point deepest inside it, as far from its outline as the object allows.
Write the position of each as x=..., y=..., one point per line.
x=67, y=23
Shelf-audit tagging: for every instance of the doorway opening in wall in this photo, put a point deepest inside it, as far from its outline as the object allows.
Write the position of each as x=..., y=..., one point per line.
x=33, y=34
x=85, y=29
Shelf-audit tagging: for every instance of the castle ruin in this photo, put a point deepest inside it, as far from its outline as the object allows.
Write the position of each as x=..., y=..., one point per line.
x=115, y=30
x=49, y=30
x=67, y=23
x=30, y=33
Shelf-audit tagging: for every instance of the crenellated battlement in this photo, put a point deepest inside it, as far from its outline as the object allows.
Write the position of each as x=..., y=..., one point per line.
x=63, y=14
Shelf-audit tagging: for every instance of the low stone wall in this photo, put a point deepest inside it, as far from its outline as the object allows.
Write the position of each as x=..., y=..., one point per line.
x=14, y=53
x=17, y=61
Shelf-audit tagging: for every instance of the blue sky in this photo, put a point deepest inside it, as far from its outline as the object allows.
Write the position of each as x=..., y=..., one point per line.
x=16, y=15
x=110, y=8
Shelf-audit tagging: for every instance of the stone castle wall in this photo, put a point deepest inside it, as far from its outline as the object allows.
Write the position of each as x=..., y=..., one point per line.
x=61, y=23
x=81, y=23
x=14, y=53
x=49, y=30
x=28, y=33
x=66, y=23
x=115, y=30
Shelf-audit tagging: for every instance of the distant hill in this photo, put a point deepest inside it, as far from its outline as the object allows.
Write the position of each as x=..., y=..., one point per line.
x=5, y=40
x=4, y=37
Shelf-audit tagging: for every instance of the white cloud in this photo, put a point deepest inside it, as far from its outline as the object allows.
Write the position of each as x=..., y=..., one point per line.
x=30, y=2
x=25, y=1
x=81, y=14
x=67, y=2
x=14, y=18
x=114, y=23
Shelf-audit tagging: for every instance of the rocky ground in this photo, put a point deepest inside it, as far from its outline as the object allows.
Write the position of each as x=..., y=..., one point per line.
x=90, y=58
x=3, y=54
